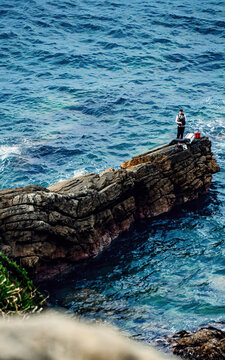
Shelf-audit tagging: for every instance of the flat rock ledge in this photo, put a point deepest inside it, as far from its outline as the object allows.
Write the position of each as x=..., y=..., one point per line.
x=205, y=344
x=47, y=230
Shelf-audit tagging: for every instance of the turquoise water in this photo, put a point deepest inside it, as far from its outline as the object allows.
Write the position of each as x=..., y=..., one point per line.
x=86, y=85
x=163, y=276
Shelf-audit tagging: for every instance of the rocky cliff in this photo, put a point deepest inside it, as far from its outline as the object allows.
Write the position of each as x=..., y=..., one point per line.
x=46, y=230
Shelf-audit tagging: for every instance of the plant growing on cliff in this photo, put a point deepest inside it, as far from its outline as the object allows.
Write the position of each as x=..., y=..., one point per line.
x=17, y=292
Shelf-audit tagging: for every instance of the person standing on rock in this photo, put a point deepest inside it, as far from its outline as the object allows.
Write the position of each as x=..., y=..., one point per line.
x=180, y=120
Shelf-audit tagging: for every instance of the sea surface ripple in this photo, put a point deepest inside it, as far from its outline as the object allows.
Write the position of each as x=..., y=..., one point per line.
x=86, y=85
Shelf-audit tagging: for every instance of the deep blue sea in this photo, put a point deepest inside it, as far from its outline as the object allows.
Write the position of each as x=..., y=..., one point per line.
x=85, y=85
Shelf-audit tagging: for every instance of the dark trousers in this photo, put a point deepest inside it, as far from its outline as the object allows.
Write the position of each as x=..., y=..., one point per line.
x=180, y=132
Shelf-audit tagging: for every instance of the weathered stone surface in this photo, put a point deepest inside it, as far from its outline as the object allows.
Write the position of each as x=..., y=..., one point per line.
x=47, y=230
x=204, y=344
x=57, y=337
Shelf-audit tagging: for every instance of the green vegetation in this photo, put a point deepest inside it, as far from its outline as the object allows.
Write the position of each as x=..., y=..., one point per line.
x=17, y=292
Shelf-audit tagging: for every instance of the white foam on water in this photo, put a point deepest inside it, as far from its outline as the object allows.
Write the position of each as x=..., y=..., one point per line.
x=214, y=127
x=7, y=151
x=76, y=173
x=79, y=172
x=218, y=283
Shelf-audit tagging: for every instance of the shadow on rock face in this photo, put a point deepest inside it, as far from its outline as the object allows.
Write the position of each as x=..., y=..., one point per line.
x=57, y=337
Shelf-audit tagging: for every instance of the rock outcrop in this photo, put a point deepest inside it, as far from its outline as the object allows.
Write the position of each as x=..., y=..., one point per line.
x=58, y=337
x=46, y=230
x=205, y=344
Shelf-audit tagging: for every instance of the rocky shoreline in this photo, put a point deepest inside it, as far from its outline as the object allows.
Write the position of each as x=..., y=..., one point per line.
x=207, y=343
x=47, y=230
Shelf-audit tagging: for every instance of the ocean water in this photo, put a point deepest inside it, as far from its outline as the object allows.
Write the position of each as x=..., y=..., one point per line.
x=86, y=85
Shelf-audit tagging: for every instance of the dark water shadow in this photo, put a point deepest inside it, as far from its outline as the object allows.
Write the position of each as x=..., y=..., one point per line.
x=121, y=250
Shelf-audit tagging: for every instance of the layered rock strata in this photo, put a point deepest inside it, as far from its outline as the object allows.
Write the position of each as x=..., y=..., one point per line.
x=46, y=230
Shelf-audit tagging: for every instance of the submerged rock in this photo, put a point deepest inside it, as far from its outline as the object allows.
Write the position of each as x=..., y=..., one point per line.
x=47, y=230
x=205, y=344
x=58, y=337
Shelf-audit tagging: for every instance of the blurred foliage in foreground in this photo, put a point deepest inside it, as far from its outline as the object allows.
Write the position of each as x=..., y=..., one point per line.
x=17, y=292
